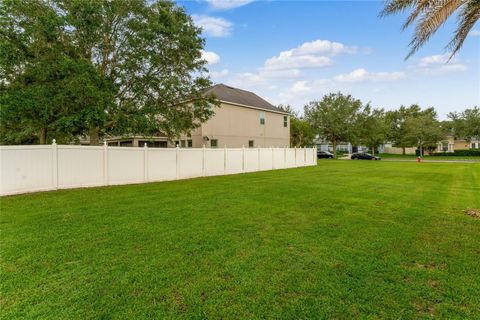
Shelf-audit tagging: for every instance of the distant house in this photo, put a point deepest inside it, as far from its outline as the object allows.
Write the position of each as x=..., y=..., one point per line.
x=243, y=119
x=451, y=143
x=324, y=145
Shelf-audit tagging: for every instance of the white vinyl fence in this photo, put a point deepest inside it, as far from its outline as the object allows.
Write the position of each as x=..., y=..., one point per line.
x=49, y=167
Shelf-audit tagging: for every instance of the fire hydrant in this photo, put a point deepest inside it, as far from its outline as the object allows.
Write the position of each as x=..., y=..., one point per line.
x=419, y=159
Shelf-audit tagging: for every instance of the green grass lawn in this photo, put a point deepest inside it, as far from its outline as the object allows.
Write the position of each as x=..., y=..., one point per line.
x=427, y=157
x=345, y=239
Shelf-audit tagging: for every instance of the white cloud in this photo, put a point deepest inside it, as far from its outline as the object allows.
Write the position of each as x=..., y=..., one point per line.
x=322, y=46
x=433, y=60
x=286, y=61
x=227, y=4
x=362, y=75
x=213, y=26
x=475, y=33
x=300, y=86
x=439, y=64
x=211, y=57
x=308, y=55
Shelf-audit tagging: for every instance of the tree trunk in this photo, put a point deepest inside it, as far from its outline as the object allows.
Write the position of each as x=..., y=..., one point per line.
x=93, y=134
x=334, y=143
x=42, y=136
x=403, y=150
x=373, y=150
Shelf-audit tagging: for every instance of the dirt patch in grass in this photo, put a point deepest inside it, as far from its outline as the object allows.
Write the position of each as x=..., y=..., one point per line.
x=473, y=213
x=424, y=308
x=432, y=283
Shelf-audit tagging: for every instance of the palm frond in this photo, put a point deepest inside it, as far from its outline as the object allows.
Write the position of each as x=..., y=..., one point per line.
x=431, y=20
x=421, y=7
x=430, y=15
x=396, y=6
x=469, y=15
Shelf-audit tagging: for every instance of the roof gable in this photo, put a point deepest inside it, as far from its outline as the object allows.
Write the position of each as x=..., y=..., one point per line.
x=242, y=97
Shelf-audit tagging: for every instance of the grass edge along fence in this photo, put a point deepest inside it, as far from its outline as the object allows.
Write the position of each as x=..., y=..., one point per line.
x=35, y=168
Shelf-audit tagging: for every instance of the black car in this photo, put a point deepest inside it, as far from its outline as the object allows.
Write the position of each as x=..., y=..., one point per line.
x=324, y=155
x=364, y=156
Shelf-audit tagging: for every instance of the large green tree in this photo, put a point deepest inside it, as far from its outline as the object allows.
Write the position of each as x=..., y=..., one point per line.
x=133, y=67
x=466, y=124
x=396, y=121
x=372, y=128
x=334, y=118
x=424, y=130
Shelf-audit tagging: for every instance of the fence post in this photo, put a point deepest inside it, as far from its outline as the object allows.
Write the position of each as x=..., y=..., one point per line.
x=145, y=162
x=105, y=163
x=224, y=159
x=295, y=149
x=304, y=156
x=243, y=158
x=177, y=158
x=285, y=157
x=273, y=159
x=258, y=167
x=203, y=160
x=314, y=155
x=55, y=163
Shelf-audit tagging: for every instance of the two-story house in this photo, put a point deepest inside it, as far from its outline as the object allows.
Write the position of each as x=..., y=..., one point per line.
x=243, y=119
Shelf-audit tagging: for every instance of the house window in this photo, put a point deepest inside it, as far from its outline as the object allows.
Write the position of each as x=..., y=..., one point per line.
x=285, y=121
x=182, y=144
x=445, y=146
x=213, y=143
x=126, y=143
x=262, y=118
x=190, y=143
x=250, y=143
x=153, y=144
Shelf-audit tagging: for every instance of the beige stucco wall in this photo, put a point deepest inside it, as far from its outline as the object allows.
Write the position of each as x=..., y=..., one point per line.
x=395, y=150
x=234, y=126
x=461, y=145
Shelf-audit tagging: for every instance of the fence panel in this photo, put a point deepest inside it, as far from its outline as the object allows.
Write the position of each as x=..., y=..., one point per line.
x=266, y=159
x=26, y=168
x=290, y=158
x=125, y=165
x=161, y=164
x=88, y=164
x=234, y=162
x=251, y=160
x=214, y=162
x=299, y=157
x=279, y=158
x=311, y=157
x=190, y=163
x=38, y=168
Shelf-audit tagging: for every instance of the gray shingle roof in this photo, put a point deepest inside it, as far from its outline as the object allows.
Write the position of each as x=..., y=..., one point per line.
x=239, y=96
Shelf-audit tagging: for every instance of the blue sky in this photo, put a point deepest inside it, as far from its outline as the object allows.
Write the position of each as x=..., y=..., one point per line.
x=293, y=52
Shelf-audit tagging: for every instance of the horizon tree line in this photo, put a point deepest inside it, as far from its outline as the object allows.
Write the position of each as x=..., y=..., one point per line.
x=340, y=118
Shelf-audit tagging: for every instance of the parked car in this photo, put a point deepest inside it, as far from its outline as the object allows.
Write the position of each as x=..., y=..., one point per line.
x=364, y=156
x=324, y=155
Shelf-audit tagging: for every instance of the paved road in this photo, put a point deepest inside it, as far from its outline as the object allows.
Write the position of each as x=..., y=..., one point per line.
x=442, y=161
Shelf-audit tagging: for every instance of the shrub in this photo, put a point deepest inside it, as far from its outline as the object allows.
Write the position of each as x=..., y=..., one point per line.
x=459, y=153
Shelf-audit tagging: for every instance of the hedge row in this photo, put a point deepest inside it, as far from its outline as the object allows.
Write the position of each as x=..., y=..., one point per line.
x=462, y=153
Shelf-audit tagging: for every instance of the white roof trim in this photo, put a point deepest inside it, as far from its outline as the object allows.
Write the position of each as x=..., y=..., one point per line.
x=251, y=107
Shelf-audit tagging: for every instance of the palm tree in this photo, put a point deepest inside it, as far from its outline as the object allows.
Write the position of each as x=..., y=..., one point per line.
x=429, y=15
